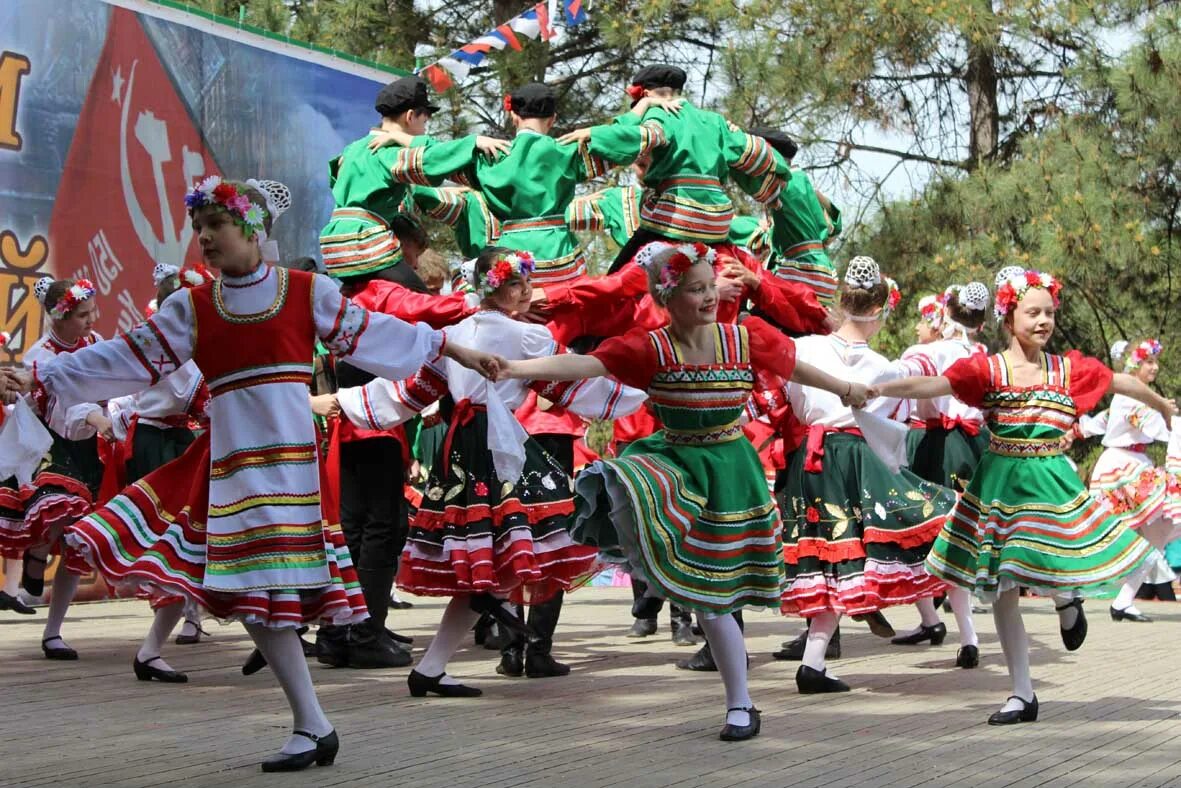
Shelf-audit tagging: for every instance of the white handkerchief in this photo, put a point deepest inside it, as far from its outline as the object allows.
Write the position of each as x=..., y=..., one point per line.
x=886, y=438
x=24, y=442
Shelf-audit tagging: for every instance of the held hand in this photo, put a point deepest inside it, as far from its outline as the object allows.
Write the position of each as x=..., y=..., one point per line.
x=506, y=371
x=736, y=270
x=728, y=289
x=1168, y=409
x=576, y=137
x=856, y=396
x=669, y=105
x=325, y=405
x=387, y=138
x=18, y=380
x=491, y=146
x=101, y=423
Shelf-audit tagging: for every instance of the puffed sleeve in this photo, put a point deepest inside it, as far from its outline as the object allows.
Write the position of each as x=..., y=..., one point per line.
x=969, y=379
x=593, y=398
x=630, y=358
x=770, y=350
x=1089, y=380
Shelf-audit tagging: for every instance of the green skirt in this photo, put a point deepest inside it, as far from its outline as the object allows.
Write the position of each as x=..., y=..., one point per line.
x=694, y=521
x=1028, y=521
x=946, y=457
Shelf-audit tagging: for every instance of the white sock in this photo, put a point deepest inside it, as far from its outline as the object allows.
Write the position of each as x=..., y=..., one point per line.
x=1126, y=598
x=190, y=627
x=1010, y=629
x=819, y=633
x=284, y=655
x=960, y=600
x=65, y=585
x=158, y=633
x=1067, y=615
x=12, y=576
x=458, y=619
x=927, y=611
x=729, y=650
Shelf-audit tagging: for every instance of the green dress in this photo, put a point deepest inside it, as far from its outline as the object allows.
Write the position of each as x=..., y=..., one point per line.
x=687, y=509
x=357, y=239
x=1026, y=519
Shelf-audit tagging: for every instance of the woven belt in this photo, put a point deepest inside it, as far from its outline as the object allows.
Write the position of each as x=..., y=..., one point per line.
x=359, y=213
x=697, y=181
x=721, y=435
x=803, y=247
x=540, y=223
x=1025, y=447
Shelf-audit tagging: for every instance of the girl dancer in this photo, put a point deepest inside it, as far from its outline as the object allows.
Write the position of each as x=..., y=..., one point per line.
x=1127, y=479
x=493, y=521
x=1026, y=519
x=855, y=533
x=235, y=525
x=946, y=441
x=65, y=489
x=708, y=542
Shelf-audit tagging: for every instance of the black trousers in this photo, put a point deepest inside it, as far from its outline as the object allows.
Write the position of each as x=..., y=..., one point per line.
x=543, y=618
x=373, y=516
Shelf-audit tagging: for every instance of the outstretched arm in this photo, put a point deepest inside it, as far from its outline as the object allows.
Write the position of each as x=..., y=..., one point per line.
x=1131, y=386
x=920, y=387
x=567, y=366
x=852, y=394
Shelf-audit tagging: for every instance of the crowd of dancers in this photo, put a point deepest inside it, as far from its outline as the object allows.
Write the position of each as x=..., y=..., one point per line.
x=242, y=454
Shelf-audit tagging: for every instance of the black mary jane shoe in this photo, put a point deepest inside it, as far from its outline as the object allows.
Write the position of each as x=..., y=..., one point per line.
x=1026, y=714
x=189, y=640
x=34, y=586
x=324, y=754
x=145, y=672
x=9, y=602
x=62, y=652
x=967, y=657
x=810, y=681
x=878, y=624
x=489, y=605
x=1074, y=637
x=254, y=663
x=420, y=685
x=1124, y=615
x=742, y=732
x=936, y=634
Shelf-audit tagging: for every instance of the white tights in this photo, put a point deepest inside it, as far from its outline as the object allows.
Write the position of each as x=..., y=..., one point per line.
x=284, y=655
x=820, y=631
x=1010, y=628
x=65, y=585
x=458, y=619
x=729, y=651
x=162, y=626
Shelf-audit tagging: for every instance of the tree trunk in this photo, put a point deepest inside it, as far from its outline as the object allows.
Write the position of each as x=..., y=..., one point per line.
x=405, y=26
x=981, y=84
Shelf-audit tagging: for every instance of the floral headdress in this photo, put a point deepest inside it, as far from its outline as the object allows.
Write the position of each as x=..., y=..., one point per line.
x=214, y=191
x=516, y=264
x=1010, y=292
x=81, y=290
x=931, y=310
x=1149, y=348
x=893, y=298
x=668, y=264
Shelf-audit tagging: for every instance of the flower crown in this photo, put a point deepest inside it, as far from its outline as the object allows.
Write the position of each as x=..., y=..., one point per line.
x=225, y=194
x=1010, y=292
x=1142, y=352
x=669, y=263
x=80, y=291
x=931, y=310
x=893, y=299
x=515, y=264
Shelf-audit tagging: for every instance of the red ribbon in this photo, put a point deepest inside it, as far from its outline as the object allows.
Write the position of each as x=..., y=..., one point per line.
x=463, y=413
x=330, y=495
x=948, y=423
x=114, y=456
x=636, y=92
x=1138, y=447
x=814, y=459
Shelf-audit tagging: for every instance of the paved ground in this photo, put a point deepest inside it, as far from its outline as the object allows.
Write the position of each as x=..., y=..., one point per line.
x=625, y=717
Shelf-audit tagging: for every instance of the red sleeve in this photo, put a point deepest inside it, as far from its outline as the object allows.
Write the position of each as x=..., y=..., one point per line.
x=770, y=350
x=391, y=298
x=631, y=358
x=792, y=305
x=969, y=379
x=1090, y=379
x=629, y=282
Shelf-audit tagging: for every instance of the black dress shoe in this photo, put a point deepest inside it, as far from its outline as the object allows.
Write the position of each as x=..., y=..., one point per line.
x=742, y=732
x=810, y=681
x=793, y=650
x=9, y=602
x=967, y=657
x=647, y=607
x=406, y=639
x=324, y=754
x=486, y=603
x=512, y=664
x=62, y=652
x=420, y=685
x=254, y=663
x=332, y=646
x=1124, y=615
x=544, y=666
x=703, y=660
x=370, y=649
x=1026, y=714
x=1074, y=637
x=145, y=672
x=35, y=586
x=683, y=634
x=935, y=634
x=642, y=628
x=878, y=624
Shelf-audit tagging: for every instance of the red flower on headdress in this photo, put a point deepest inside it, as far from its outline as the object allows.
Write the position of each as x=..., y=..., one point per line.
x=700, y=249
x=811, y=515
x=635, y=92
x=894, y=298
x=679, y=263
x=502, y=270
x=1033, y=279
x=508, y=103
x=223, y=192
x=1006, y=298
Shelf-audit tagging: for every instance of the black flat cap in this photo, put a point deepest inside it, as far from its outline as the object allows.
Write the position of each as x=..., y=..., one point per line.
x=404, y=94
x=786, y=146
x=660, y=77
x=534, y=100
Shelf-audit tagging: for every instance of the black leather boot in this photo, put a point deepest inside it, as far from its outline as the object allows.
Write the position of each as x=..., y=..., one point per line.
x=332, y=646
x=370, y=649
